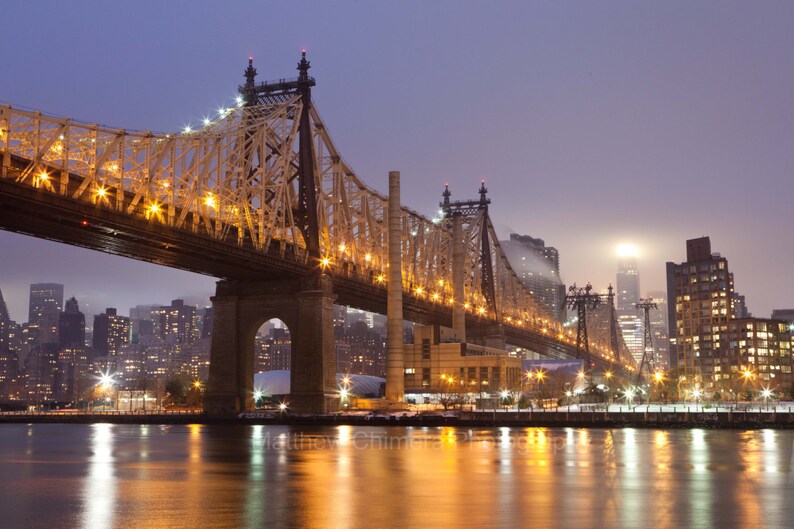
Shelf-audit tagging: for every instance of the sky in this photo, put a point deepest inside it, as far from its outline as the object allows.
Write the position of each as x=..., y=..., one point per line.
x=594, y=124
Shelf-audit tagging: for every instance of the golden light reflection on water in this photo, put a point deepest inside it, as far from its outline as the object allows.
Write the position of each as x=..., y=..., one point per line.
x=99, y=488
x=206, y=476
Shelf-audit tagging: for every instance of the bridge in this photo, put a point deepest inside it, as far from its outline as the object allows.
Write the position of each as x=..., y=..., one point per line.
x=260, y=198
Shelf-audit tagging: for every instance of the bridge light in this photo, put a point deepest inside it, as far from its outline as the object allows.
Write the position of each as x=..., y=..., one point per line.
x=608, y=374
x=154, y=208
x=419, y=291
x=187, y=129
x=342, y=247
x=435, y=296
x=211, y=201
x=580, y=375
x=658, y=376
x=325, y=262
x=380, y=278
x=282, y=406
x=43, y=176
x=238, y=100
x=207, y=122
x=481, y=310
x=368, y=257
x=101, y=192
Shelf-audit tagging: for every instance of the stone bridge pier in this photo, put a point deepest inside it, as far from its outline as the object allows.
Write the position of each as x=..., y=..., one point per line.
x=240, y=309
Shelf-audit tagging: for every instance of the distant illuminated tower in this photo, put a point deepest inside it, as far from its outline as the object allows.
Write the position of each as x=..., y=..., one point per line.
x=628, y=280
x=46, y=302
x=628, y=295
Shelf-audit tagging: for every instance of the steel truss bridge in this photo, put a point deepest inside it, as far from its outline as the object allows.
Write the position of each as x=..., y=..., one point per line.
x=261, y=191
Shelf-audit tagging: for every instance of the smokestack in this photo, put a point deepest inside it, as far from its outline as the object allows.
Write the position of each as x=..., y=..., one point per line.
x=395, y=366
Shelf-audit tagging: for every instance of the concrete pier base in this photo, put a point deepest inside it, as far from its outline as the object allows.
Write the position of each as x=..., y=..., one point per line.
x=240, y=309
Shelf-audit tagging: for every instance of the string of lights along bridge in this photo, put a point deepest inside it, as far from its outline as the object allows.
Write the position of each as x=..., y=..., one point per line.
x=261, y=198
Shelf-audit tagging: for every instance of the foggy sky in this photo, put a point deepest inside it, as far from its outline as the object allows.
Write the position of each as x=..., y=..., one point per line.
x=593, y=123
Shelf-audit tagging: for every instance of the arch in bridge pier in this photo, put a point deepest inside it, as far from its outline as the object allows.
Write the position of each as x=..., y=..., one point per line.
x=240, y=309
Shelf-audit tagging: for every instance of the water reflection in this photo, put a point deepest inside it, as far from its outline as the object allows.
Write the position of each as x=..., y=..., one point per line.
x=240, y=476
x=99, y=487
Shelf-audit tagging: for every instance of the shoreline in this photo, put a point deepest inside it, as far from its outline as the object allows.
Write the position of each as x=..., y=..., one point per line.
x=740, y=420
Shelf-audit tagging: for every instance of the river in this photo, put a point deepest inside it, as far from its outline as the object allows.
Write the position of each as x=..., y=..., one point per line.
x=101, y=476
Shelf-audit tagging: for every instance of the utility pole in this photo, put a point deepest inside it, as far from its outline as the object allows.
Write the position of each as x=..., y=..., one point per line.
x=648, y=361
x=582, y=299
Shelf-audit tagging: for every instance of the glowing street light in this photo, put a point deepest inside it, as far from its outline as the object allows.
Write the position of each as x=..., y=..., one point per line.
x=629, y=393
x=766, y=393
x=696, y=393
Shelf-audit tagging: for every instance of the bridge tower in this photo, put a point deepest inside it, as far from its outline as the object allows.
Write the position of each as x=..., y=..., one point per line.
x=304, y=304
x=582, y=299
x=474, y=213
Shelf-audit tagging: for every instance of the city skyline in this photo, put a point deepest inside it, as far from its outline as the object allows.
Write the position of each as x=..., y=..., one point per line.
x=589, y=119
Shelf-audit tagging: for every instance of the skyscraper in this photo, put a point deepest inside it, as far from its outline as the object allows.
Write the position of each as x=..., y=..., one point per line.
x=71, y=326
x=538, y=267
x=627, y=296
x=699, y=294
x=111, y=331
x=46, y=302
x=175, y=324
x=5, y=323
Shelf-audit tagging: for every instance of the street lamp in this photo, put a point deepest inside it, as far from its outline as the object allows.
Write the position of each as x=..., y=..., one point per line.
x=629, y=395
x=766, y=393
x=696, y=393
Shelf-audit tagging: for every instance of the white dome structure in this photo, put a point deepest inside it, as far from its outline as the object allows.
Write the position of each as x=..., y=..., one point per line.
x=277, y=383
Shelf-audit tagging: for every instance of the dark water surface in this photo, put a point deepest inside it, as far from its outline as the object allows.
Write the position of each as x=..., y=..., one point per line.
x=100, y=476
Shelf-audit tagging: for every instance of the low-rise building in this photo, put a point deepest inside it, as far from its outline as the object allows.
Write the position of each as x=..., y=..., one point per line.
x=437, y=361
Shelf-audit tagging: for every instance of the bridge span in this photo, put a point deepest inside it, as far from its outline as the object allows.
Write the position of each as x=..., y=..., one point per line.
x=261, y=199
